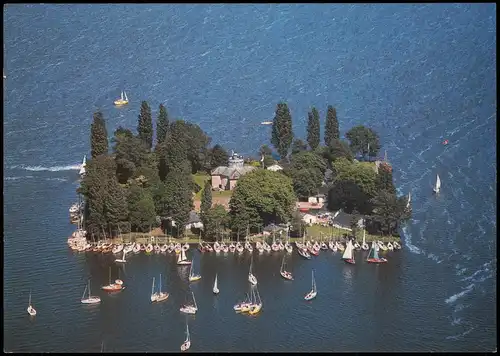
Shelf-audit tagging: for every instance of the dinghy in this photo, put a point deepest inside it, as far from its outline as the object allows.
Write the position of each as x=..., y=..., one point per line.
x=390, y=246
x=239, y=248
x=312, y=294
x=288, y=248
x=215, y=289
x=149, y=249
x=157, y=248
x=348, y=255
x=128, y=248
x=31, y=310
x=373, y=256
x=232, y=247
x=437, y=186
x=248, y=247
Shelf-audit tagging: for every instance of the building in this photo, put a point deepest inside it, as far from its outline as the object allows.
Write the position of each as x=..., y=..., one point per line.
x=343, y=220
x=225, y=177
x=275, y=168
x=309, y=219
x=317, y=199
x=194, y=221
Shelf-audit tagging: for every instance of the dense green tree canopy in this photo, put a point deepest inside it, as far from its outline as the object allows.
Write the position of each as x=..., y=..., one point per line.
x=384, y=179
x=313, y=129
x=261, y=197
x=142, y=214
x=130, y=154
x=206, y=198
x=215, y=220
x=218, y=157
x=98, y=136
x=337, y=149
x=360, y=137
x=162, y=125
x=298, y=146
x=389, y=211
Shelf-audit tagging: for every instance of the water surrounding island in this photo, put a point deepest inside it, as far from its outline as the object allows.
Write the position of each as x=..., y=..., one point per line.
x=417, y=74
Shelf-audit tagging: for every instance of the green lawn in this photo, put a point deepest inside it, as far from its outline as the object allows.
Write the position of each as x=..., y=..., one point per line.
x=200, y=179
x=316, y=231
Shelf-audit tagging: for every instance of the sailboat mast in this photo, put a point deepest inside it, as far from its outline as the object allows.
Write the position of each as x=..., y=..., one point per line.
x=194, y=299
x=153, y=286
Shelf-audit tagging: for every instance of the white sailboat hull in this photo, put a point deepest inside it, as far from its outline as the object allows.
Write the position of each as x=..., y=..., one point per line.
x=31, y=311
x=252, y=279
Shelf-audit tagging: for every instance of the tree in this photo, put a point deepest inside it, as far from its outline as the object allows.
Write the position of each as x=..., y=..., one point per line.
x=360, y=137
x=298, y=225
x=313, y=129
x=206, y=199
x=261, y=197
x=98, y=136
x=282, y=134
x=384, y=178
x=116, y=208
x=176, y=148
x=218, y=157
x=130, y=154
x=145, y=125
x=266, y=152
x=306, y=182
x=178, y=200
x=363, y=174
x=337, y=149
x=331, y=126
x=348, y=196
x=142, y=214
x=162, y=125
x=389, y=211
x=298, y=146
x=215, y=219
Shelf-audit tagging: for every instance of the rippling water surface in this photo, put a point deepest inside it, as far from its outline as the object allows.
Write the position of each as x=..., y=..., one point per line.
x=417, y=74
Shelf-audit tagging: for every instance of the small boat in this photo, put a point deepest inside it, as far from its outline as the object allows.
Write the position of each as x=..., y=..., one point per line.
x=323, y=246
x=143, y=247
x=232, y=247
x=157, y=248
x=190, y=309
x=243, y=306
x=348, y=255
x=251, y=278
x=137, y=248
x=281, y=246
x=171, y=248
x=117, y=249
x=90, y=299
x=74, y=208
x=149, y=249
x=178, y=248
x=31, y=310
x=122, y=260
x=437, y=187
x=185, y=247
x=267, y=248
x=356, y=246
x=408, y=206
x=314, y=250
x=397, y=246
x=123, y=99
x=209, y=248
x=201, y=248
x=187, y=343
x=266, y=123
x=239, y=248
x=164, y=248
x=158, y=296
x=225, y=248
x=303, y=252
x=364, y=245
x=248, y=247
x=83, y=166
x=113, y=287
x=182, y=259
x=331, y=245
x=340, y=246
x=128, y=248
x=193, y=277
x=390, y=247
x=217, y=247
x=285, y=274
x=382, y=246
x=312, y=294
x=215, y=289
x=373, y=256
x=445, y=142
x=257, y=305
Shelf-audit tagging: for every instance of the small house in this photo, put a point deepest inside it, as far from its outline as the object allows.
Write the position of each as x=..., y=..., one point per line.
x=275, y=168
x=309, y=219
x=225, y=177
x=317, y=199
x=343, y=220
x=194, y=221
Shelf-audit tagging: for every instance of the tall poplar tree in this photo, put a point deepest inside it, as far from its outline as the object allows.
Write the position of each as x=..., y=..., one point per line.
x=161, y=125
x=332, y=126
x=313, y=129
x=206, y=199
x=98, y=136
x=282, y=134
x=145, y=125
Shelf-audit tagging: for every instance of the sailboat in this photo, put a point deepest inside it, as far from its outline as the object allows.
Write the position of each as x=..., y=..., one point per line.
x=113, y=287
x=215, y=288
x=409, y=199
x=438, y=185
x=364, y=245
x=193, y=277
x=190, y=309
x=84, y=164
x=348, y=255
x=182, y=259
x=90, y=299
x=122, y=260
x=285, y=274
x=31, y=310
x=257, y=305
x=251, y=278
x=243, y=306
x=158, y=296
x=312, y=294
x=373, y=255
x=123, y=99
x=187, y=343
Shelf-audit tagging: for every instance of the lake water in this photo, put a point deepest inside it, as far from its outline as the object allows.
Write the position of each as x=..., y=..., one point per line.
x=417, y=74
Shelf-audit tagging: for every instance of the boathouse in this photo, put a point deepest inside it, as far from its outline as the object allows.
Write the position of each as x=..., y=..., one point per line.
x=225, y=177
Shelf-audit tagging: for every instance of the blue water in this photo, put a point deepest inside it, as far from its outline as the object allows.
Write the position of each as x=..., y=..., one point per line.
x=417, y=74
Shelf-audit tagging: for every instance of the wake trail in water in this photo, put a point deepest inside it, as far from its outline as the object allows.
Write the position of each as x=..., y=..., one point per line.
x=73, y=167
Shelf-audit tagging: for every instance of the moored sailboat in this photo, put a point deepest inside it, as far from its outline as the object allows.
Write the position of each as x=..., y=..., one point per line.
x=158, y=296
x=192, y=276
x=257, y=305
x=113, y=287
x=190, y=308
x=215, y=289
x=187, y=343
x=31, y=311
x=123, y=99
x=348, y=255
x=437, y=186
x=312, y=294
x=182, y=259
x=251, y=278
x=90, y=299
x=285, y=274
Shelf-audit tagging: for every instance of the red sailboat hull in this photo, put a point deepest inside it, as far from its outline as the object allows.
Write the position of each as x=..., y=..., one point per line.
x=376, y=260
x=350, y=261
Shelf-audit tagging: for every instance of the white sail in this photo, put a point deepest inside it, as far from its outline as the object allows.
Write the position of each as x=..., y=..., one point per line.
x=121, y=96
x=179, y=257
x=409, y=199
x=182, y=255
x=84, y=164
x=126, y=99
x=215, y=289
x=194, y=300
x=438, y=184
x=364, y=234
x=348, y=251
x=313, y=282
